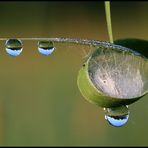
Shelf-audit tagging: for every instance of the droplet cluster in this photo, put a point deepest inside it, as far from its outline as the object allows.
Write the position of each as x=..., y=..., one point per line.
x=14, y=47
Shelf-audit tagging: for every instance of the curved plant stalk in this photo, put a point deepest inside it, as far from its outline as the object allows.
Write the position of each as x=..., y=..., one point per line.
x=94, y=43
x=61, y=40
x=108, y=19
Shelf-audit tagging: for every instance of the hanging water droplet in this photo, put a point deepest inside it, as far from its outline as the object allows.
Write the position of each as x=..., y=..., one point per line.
x=45, y=47
x=13, y=47
x=117, y=121
x=117, y=116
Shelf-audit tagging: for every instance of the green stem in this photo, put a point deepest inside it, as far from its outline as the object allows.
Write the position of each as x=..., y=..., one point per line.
x=64, y=40
x=95, y=43
x=108, y=19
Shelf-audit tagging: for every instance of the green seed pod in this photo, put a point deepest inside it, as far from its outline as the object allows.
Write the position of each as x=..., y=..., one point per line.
x=113, y=76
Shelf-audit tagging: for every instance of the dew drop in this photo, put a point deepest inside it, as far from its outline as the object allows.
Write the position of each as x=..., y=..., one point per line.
x=14, y=47
x=117, y=120
x=45, y=47
x=117, y=116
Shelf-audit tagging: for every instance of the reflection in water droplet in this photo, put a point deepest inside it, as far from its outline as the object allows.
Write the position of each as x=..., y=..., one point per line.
x=117, y=116
x=117, y=120
x=45, y=47
x=13, y=47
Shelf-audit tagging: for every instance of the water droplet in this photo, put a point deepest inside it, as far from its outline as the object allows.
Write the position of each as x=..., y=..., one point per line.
x=45, y=47
x=117, y=116
x=117, y=121
x=13, y=47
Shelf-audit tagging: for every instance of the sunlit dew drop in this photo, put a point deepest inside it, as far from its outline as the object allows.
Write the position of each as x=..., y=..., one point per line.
x=117, y=116
x=45, y=47
x=14, y=47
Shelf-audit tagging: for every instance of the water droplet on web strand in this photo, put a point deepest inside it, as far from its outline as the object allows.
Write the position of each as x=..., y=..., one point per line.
x=117, y=116
x=45, y=47
x=14, y=47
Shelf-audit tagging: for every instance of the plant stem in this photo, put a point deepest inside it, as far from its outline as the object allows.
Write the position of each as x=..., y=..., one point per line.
x=108, y=19
x=64, y=40
x=95, y=43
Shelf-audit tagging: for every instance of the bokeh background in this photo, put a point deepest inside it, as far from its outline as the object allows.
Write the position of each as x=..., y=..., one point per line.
x=40, y=103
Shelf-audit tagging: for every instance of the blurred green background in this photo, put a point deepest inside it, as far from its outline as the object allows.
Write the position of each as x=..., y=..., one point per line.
x=40, y=103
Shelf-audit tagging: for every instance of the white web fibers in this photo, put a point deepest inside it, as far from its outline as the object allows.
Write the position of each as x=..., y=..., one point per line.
x=119, y=74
